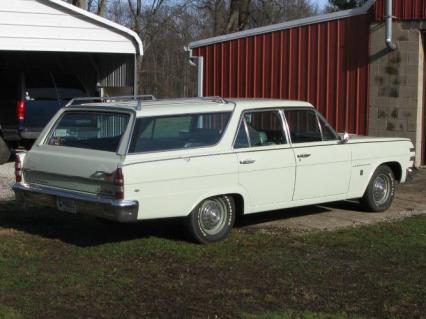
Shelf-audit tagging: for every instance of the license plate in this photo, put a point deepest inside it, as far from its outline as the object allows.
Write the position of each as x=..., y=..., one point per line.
x=66, y=205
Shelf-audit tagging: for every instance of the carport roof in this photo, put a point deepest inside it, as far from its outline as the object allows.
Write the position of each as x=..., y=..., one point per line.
x=54, y=25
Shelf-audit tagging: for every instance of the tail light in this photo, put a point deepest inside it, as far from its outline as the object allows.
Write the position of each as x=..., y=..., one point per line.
x=119, y=184
x=20, y=110
x=18, y=169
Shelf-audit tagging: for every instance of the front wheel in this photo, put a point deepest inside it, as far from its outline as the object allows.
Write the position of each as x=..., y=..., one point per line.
x=212, y=219
x=4, y=152
x=380, y=191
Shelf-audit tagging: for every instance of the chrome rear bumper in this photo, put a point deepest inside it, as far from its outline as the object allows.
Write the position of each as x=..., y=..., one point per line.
x=124, y=211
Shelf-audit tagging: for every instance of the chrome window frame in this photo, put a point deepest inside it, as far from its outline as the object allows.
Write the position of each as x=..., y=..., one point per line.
x=242, y=119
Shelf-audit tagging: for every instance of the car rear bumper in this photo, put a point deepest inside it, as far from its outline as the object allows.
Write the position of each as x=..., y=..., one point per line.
x=125, y=211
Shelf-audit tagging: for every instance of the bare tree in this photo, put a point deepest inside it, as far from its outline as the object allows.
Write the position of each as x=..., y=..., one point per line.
x=239, y=15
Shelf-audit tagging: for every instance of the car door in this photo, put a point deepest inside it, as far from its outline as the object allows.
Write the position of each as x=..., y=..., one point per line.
x=265, y=158
x=323, y=163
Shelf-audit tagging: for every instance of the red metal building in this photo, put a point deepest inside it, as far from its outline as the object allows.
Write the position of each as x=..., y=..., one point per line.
x=324, y=60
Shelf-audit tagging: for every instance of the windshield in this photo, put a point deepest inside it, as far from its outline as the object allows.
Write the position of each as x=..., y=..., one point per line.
x=90, y=130
x=178, y=131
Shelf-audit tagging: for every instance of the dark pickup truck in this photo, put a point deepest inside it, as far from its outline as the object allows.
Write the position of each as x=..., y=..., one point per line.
x=28, y=100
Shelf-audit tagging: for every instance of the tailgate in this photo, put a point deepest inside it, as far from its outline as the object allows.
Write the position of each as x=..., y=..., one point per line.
x=81, y=152
x=71, y=169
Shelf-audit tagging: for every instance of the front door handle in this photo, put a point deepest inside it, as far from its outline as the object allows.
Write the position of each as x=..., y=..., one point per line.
x=247, y=161
x=303, y=155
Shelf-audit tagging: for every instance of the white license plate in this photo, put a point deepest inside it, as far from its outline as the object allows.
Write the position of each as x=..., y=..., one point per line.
x=66, y=205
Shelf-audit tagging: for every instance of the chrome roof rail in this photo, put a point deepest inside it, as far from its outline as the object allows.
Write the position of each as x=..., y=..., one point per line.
x=105, y=99
x=216, y=99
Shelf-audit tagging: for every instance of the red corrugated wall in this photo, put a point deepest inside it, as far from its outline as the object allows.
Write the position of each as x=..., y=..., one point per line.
x=325, y=64
x=402, y=9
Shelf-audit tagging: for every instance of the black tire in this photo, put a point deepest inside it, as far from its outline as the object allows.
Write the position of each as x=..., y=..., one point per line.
x=212, y=220
x=380, y=191
x=4, y=152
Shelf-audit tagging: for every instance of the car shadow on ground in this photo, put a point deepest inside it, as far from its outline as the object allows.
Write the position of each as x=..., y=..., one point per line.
x=282, y=214
x=86, y=231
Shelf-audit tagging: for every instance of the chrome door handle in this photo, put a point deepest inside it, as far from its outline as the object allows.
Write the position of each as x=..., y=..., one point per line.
x=303, y=155
x=247, y=161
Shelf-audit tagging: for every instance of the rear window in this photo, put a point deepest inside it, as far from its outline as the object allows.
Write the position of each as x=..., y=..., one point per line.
x=90, y=130
x=39, y=86
x=153, y=134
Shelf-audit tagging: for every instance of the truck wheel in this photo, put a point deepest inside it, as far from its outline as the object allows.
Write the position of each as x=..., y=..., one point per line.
x=380, y=191
x=212, y=219
x=4, y=152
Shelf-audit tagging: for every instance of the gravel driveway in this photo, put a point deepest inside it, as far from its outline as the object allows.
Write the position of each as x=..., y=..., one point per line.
x=410, y=200
x=6, y=177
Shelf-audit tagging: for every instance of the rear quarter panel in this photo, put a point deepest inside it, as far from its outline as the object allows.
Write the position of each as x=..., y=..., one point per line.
x=172, y=184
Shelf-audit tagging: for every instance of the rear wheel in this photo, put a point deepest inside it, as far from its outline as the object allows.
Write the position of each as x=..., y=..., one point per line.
x=4, y=152
x=380, y=191
x=212, y=219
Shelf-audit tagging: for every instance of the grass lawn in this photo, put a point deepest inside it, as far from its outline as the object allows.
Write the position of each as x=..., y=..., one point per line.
x=57, y=266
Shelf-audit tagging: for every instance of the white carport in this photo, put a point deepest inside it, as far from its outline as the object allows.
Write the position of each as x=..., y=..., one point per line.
x=53, y=26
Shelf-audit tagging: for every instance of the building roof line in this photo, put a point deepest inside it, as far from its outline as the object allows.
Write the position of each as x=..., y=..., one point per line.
x=285, y=25
x=133, y=35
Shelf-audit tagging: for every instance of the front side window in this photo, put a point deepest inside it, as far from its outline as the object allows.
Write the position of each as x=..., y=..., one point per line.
x=303, y=126
x=90, y=130
x=260, y=129
x=328, y=133
x=161, y=133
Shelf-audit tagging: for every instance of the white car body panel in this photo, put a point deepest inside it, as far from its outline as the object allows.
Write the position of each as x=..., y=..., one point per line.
x=172, y=183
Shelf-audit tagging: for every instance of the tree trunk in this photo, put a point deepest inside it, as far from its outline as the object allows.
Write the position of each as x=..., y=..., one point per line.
x=239, y=15
x=80, y=3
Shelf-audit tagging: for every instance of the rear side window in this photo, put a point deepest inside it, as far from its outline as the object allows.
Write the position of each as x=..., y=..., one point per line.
x=260, y=129
x=152, y=134
x=90, y=130
x=303, y=125
x=69, y=86
x=39, y=86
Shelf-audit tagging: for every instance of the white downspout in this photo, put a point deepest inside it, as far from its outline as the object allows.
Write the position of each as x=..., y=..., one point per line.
x=389, y=17
x=200, y=68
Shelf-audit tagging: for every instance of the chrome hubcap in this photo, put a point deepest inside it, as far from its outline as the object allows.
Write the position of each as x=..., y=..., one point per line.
x=213, y=215
x=381, y=189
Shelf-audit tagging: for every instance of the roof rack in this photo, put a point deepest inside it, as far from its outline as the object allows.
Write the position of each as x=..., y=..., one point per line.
x=139, y=98
x=105, y=99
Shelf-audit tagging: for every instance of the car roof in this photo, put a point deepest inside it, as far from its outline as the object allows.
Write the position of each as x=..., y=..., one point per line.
x=195, y=105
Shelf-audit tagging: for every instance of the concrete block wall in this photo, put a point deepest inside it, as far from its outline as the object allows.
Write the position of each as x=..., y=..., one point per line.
x=396, y=82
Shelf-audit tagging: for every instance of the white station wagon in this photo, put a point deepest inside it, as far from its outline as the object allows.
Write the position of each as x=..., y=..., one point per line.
x=208, y=160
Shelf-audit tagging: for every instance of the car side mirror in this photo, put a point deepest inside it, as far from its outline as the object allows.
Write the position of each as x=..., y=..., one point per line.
x=345, y=138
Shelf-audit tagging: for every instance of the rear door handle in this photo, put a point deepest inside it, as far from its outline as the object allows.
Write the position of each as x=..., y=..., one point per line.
x=247, y=161
x=303, y=155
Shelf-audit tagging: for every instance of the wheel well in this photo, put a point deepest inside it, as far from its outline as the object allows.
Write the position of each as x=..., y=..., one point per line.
x=239, y=204
x=396, y=169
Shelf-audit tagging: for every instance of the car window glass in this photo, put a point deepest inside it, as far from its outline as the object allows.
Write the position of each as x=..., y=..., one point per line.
x=241, y=140
x=160, y=133
x=328, y=132
x=39, y=86
x=68, y=86
x=264, y=128
x=303, y=126
x=90, y=130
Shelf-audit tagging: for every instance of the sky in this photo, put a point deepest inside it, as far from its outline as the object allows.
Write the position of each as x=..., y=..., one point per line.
x=321, y=3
